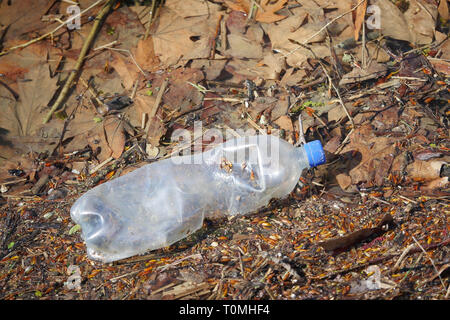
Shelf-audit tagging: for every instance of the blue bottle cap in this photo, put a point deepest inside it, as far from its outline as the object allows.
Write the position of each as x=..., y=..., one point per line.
x=315, y=153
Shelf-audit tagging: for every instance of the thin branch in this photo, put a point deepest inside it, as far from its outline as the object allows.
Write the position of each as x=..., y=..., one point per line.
x=339, y=95
x=84, y=50
x=431, y=260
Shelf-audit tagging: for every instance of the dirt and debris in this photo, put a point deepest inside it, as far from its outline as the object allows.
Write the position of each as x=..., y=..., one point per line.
x=86, y=101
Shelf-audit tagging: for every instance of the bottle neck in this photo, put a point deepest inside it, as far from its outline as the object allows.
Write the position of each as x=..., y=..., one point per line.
x=302, y=158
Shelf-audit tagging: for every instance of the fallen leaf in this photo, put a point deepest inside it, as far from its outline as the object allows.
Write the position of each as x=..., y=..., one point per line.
x=106, y=139
x=392, y=21
x=179, y=39
x=115, y=135
x=265, y=12
x=242, y=47
x=332, y=145
x=126, y=69
x=156, y=130
x=421, y=17
x=425, y=170
x=181, y=95
x=343, y=180
x=21, y=125
x=285, y=123
x=436, y=184
x=443, y=9
x=373, y=71
x=20, y=18
x=360, y=18
x=377, y=155
x=211, y=68
x=272, y=65
x=268, y=14
x=145, y=55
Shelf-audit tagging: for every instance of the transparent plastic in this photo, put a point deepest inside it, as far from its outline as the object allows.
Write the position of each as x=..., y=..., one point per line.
x=165, y=201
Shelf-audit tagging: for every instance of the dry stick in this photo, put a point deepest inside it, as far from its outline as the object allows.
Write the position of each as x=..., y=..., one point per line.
x=339, y=95
x=76, y=72
x=363, y=49
x=323, y=28
x=402, y=256
x=23, y=45
x=431, y=260
x=156, y=105
x=151, y=14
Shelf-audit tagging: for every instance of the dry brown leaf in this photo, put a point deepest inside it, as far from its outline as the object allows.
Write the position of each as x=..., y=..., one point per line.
x=156, y=129
x=115, y=135
x=182, y=95
x=106, y=139
x=360, y=18
x=238, y=5
x=211, y=68
x=145, y=55
x=285, y=123
x=21, y=121
x=271, y=66
x=241, y=47
x=268, y=12
x=393, y=23
x=126, y=69
x=425, y=170
x=443, y=9
x=343, y=180
x=176, y=38
x=144, y=104
x=377, y=155
x=286, y=35
x=333, y=144
x=421, y=17
x=436, y=184
x=20, y=18
x=358, y=74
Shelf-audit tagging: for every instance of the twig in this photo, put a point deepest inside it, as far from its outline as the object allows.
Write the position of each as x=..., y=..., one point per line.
x=192, y=256
x=407, y=199
x=382, y=259
x=339, y=95
x=301, y=135
x=255, y=125
x=105, y=46
x=151, y=13
x=100, y=165
x=76, y=72
x=241, y=265
x=223, y=99
x=431, y=260
x=131, y=56
x=23, y=45
x=158, y=100
x=402, y=256
x=91, y=91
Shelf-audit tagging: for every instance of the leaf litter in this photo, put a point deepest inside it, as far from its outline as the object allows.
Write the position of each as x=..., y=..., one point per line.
x=354, y=228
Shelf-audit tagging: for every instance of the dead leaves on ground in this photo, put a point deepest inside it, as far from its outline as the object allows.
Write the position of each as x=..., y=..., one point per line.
x=266, y=10
x=18, y=120
x=273, y=42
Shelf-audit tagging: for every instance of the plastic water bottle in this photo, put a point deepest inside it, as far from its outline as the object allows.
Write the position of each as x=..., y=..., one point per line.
x=165, y=201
